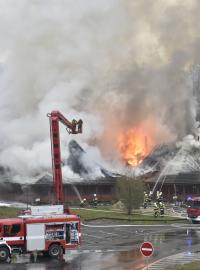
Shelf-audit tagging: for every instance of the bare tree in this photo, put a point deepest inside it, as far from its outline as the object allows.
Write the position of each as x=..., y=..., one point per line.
x=130, y=192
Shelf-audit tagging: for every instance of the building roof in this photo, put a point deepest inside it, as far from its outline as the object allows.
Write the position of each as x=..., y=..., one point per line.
x=181, y=178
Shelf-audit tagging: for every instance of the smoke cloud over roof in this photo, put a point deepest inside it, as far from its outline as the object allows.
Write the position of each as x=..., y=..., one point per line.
x=116, y=64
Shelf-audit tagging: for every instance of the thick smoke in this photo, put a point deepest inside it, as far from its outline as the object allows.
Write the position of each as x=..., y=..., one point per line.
x=114, y=63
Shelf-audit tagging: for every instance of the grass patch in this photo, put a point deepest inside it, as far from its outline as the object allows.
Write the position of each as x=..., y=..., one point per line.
x=92, y=214
x=189, y=266
x=8, y=212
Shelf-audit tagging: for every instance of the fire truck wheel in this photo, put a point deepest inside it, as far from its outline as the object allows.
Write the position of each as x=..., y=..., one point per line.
x=55, y=251
x=4, y=254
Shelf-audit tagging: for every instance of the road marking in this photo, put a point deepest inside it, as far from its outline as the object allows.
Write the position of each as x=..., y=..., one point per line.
x=173, y=260
x=186, y=226
x=86, y=251
x=94, y=236
x=109, y=233
x=124, y=225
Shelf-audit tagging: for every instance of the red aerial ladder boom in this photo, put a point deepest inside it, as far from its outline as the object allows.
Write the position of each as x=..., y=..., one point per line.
x=73, y=127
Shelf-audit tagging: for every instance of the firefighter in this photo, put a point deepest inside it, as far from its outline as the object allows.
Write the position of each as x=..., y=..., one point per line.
x=95, y=200
x=37, y=201
x=146, y=199
x=150, y=197
x=162, y=209
x=159, y=196
x=156, y=210
x=83, y=203
x=175, y=199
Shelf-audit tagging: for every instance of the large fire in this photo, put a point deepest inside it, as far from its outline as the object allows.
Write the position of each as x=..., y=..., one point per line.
x=133, y=146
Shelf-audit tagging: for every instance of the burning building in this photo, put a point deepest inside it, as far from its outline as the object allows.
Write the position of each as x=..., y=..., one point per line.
x=172, y=169
x=115, y=64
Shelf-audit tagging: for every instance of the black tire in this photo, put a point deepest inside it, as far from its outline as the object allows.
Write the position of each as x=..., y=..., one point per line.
x=4, y=254
x=55, y=251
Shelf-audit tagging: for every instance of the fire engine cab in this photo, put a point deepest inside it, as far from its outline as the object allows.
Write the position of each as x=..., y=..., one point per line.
x=193, y=209
x=47, y=229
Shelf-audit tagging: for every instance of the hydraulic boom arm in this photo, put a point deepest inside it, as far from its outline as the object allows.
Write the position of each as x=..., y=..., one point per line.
x=73, y=127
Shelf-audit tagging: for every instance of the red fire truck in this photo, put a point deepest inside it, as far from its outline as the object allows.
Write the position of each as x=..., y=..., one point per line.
x=47, y=229
x=50, y=232
x=193, y=209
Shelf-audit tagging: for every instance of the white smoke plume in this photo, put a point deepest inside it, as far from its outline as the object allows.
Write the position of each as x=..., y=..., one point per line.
x=113, y=63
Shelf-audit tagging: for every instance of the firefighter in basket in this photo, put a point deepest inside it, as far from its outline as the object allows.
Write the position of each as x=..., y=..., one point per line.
x=156, y=210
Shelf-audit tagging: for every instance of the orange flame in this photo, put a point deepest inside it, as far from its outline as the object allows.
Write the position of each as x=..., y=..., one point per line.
x=133, y=146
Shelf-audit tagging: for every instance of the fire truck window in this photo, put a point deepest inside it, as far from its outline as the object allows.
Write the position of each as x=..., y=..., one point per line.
x=0, y=228
x=72, y=233
x=67, y=233
x=55, y=232
x=74, y=239
x=15, y=229
x=6, y=230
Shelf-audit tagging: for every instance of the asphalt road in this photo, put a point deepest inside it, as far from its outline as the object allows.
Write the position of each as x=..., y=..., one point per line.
x=105, y=245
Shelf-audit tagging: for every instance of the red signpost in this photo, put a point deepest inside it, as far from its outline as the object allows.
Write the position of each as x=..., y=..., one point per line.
x=147, y=250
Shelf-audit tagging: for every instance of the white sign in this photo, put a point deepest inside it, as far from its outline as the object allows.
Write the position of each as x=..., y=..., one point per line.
x=41, y=210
